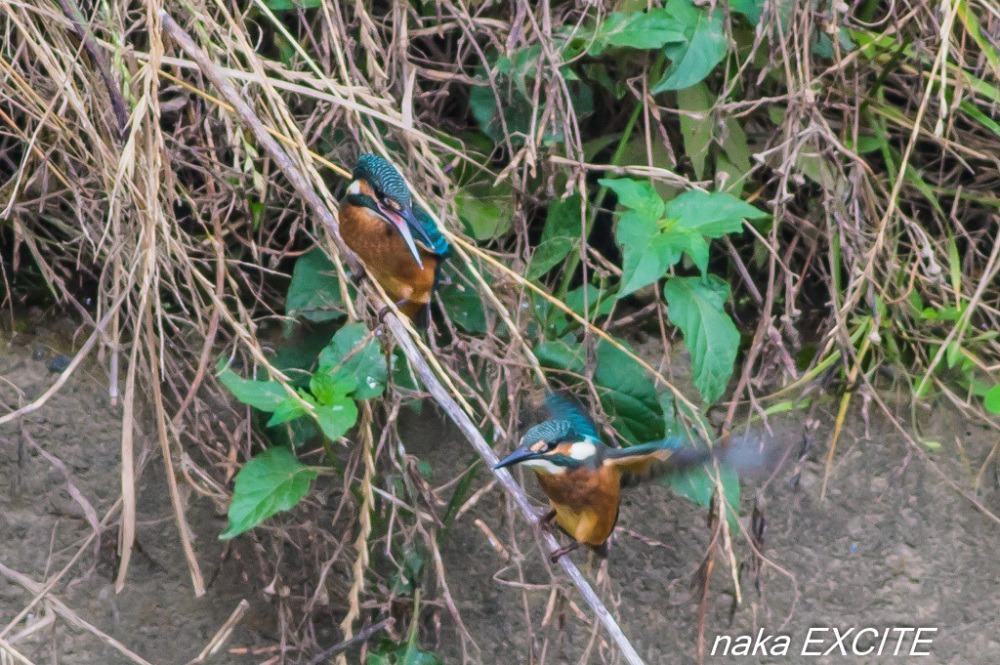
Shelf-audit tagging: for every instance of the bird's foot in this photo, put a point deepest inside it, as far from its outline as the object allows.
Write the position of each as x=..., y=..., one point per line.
x=358, y=276
x=545, y=520
x=602, y=574
x=563, y=551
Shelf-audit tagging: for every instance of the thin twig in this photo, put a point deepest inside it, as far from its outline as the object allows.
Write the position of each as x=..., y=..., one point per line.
x=363, y=636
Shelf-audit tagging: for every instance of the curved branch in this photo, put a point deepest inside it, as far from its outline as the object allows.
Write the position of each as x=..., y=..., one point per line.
x=400, y=329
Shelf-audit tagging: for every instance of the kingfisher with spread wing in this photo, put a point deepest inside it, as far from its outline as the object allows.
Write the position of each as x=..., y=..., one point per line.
x=582, y=477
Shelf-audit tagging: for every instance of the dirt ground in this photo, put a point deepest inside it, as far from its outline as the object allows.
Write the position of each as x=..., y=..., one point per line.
x=892, y=545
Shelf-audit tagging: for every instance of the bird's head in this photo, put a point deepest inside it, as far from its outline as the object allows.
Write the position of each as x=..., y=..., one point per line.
x=378, y=187
x=554, y=447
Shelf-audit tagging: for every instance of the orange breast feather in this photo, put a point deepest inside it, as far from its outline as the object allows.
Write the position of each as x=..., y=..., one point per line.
x=387, y=258
x=585, y=501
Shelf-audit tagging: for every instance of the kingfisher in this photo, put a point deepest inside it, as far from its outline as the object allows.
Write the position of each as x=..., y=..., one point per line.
x=582, y=477
x=398, y=241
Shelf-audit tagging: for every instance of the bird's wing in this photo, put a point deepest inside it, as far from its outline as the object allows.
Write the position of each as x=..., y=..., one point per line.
x=569, y=410
x=428, y=232
x=655, y=459
x=747, y=454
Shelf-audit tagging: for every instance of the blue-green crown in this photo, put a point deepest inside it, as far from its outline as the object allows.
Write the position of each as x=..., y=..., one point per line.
x=567, y=422
x=383, y=177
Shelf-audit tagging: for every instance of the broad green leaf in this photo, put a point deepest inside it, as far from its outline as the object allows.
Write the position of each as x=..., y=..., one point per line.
x=268, y=483
x=696, y=124
x=638, y=195
x=563, y=219
x=627, y=395
x=651, y=247
x=336, y=418
x=517, y=111
x=696, y=305
x=598, y=301
x=462, y=302
x=752, y=9
x=288, y=410
x=654, y=234
x=314, y=292
x=694, y=59
x=548, y=255
x=638, y=30
x=486, y=211
x=991, y=400
x=713, y=214
x=330, y=388
x=735, y=145
x=367, y=365
x=565, y=353
x=407, y=577
x=263, y=395
x=698, y=486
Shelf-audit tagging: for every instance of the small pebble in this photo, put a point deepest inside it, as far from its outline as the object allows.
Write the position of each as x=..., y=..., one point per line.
x=59, y=364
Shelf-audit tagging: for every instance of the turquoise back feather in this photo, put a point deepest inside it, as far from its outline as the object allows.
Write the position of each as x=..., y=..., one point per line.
x=430, y=231
x=562, y=409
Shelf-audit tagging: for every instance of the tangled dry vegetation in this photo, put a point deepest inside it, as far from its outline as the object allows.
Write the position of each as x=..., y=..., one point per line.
x=132, y=196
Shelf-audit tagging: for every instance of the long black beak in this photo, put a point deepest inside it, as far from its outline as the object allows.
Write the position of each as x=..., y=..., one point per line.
x=516, y=457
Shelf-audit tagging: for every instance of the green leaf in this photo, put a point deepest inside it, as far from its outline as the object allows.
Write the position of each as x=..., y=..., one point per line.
x=713, y=214
x=638, y=30
x=270, y=482
x=991, y=400
x=696, y=124
x=697, y=306
x=336, y=418
x=752, y=9
x=627, y=395
x=654, y=234
x=367, y=365
x=330, y=388
x=486, y=211
x=694, y=59
x=563, y=219
x=462, y=302
x=458, y=497
x=288, y=410
x=314, y=293
x=548, y=255
x=698, y=486
x=263, y=395
x=565, y=353
x=288, y=5
x=599, y=302
x=638, y=195
x=651, y=247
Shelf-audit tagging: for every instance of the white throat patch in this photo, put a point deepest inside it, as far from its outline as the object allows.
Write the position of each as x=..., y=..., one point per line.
x=544, y=466
x=582, y=450
x=354, y=188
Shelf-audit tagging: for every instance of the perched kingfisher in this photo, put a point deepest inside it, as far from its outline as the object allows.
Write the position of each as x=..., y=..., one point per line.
x=398, y=241
x=583, y=477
